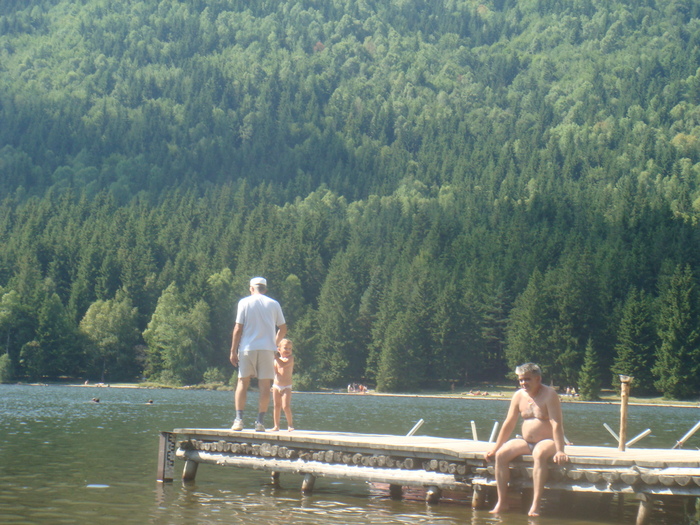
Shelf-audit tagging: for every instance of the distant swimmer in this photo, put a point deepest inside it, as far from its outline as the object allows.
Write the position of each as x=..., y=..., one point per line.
x=95, y=399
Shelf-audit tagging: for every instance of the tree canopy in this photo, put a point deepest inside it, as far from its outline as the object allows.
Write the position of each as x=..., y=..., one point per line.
x=436, y=191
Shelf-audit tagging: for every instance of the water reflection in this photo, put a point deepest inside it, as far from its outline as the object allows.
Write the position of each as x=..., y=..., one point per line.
x=65, y=459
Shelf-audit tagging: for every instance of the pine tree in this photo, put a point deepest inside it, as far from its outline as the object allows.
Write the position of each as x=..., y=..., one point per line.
x=529, y=327
x=636, y=342
x=57, y=349
x=678, y=356
x=589, y=377
x=400, y=363
x=341, y=352
x=221, y=298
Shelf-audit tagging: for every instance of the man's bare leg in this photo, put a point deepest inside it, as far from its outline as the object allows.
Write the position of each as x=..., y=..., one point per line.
x=264, y=386
x=507, y=453
x=543, y=451
x=242, y=392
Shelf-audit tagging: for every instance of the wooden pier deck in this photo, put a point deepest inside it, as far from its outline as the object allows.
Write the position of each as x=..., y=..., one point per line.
x=432, y=463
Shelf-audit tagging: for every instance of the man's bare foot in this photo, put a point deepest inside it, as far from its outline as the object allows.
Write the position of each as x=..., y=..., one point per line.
x=275, y=429
x=290, y=429
x=498, y=509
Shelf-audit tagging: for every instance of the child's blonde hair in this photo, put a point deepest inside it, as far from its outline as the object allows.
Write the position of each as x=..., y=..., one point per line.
x=285, y=341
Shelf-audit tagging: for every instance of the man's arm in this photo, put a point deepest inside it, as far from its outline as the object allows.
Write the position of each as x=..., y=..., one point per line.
x=235, y=341
x=557, y=421
x=508, y=425
x=281, y=333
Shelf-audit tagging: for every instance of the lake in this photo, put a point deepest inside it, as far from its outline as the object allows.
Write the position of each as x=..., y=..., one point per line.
x=67, y=460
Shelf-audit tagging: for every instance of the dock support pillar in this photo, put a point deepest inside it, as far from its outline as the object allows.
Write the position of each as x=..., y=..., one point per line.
x=526, y=497
x=307, y=486
x=189, y=472
x=479, y=495
x=620, y=505
x=646, y=505
x=275, y=478
x=395, y=491
x=166, y=457
x=567, y=500
x=432, y=495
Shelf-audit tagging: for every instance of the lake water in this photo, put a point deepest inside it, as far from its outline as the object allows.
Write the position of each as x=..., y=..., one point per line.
x=67, y=460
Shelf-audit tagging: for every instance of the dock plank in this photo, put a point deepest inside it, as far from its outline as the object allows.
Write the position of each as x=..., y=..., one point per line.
x=457, y=448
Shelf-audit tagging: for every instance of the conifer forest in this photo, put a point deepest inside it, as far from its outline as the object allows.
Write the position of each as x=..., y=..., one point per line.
x=435, y=190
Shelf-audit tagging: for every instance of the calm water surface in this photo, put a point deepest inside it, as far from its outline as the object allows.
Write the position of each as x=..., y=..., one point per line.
x=66, y=460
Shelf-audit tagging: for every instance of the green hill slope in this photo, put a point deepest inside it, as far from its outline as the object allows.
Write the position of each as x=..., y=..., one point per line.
x=440, y=189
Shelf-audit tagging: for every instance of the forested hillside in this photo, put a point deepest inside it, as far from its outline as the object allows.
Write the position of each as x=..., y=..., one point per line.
x=436, y=190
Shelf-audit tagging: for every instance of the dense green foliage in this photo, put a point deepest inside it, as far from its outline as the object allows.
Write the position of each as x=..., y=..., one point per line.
x=436, y=191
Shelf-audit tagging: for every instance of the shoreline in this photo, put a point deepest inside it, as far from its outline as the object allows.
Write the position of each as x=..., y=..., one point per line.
x=500, y=396
x=690, y=404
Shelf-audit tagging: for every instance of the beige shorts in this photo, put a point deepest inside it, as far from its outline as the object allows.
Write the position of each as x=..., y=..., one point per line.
x=256, y=363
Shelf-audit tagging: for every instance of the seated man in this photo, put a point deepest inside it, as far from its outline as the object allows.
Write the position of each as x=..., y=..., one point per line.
x=542, y=435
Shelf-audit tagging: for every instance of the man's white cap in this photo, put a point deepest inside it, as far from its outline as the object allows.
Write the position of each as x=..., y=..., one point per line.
x=258, y=280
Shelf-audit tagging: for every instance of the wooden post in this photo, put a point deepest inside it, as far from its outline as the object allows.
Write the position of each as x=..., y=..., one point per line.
x=479, y=497
x=432, y=495
x=646, y=505
x=620, y=505
x=275, y=478
x=307, y=485
x=395, y=491
x=166, y=457
x=624, y=399
x=189, y=472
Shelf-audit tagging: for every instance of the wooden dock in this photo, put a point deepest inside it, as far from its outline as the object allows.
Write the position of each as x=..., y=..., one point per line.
x=431, y=463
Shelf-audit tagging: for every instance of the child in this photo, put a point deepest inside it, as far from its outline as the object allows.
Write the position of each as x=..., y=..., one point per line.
x=282, y=385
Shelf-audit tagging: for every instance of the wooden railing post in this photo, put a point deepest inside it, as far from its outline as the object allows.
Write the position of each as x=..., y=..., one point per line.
x=624, y=399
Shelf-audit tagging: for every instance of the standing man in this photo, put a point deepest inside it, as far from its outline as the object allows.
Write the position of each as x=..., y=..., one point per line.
x=260, y=326
x=542, y=435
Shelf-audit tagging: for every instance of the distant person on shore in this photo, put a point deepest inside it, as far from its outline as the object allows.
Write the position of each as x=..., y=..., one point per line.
x=282, y=385
x=259, y=328
x=542, y=435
